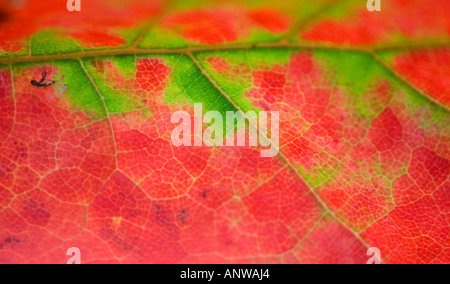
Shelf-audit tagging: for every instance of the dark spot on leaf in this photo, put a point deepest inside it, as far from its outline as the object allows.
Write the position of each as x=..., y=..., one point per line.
x=157, y=208
x=4, y=15
x=35, y=213
x=20, y=151
x=161, y=215
x=7, y=241
x=183, y=216
x=204, y=193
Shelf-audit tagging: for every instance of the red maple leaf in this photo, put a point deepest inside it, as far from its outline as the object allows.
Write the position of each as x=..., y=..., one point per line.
x=87, y=161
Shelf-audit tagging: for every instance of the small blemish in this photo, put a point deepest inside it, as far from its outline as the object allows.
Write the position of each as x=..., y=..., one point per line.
x=160, y=215
x=36, y=214
x=157, y=208
x=183, y=216
x=8, y=241
x=4, y=16
x=204, y=193
x=61, y=89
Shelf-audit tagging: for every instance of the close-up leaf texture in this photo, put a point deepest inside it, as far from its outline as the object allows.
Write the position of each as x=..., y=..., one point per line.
x=86, y=158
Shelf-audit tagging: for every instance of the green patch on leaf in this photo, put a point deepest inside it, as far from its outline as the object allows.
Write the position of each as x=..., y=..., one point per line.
x=52, y=41
x=117, y=100
x=79, y=88
x=186, y=85
x=317, y=176
x=162, y=38
x=75, y=86
x=238, y=80
x=358, y=74
x=193, y=85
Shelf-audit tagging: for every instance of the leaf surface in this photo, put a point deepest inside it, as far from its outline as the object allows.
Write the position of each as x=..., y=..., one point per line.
x=88, y=162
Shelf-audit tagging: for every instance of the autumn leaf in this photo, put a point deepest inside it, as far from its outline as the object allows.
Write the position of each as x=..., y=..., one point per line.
x=87, y=161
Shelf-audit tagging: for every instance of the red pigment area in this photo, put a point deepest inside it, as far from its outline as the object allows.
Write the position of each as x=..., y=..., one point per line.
x=272, y=83
x=207, y=27
x=386, y=130
x=219, y=26
x=98, y=39
x=95, y=26
x=366, y=156
x=364, y=27
x=428, y=169
x=429, y=71
x=112, y=75
x=269, y=203
x=7, y=105
x=416, y=232
x=71, y=185
x=162, y=204
x=359, y=33
x=53, y=162
x=25, y=179
x=35, y=213
x=332, y=249
x=135, y=228
x=270, y=20
x=5, y=196
x=293, y=90
x=319, y=115
x=218, y=64
x=139, y=229
x=148, y=83
x=151, y=74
